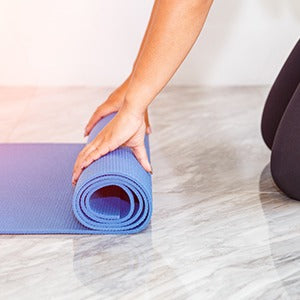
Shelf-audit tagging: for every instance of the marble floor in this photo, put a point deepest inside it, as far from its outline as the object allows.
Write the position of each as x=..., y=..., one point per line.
x=220, y=228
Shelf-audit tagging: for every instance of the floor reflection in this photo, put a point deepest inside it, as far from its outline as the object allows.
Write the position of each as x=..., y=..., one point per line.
x=125, y=266
x=113, y=265
x=282, y=215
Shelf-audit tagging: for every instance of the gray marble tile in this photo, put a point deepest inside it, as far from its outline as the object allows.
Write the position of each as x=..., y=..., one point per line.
x=220, y=228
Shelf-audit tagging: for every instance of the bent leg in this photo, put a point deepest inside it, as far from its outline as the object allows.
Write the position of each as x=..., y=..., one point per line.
x=280, y=95
x=285, y=158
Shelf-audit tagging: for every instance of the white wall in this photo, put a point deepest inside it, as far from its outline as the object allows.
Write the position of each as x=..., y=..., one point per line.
x=94, y=42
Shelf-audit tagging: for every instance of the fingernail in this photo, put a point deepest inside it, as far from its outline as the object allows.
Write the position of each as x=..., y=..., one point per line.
x=151, y=171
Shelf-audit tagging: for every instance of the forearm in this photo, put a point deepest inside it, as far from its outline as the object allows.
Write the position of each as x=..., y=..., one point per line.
x=149, y=25
x=173, y=29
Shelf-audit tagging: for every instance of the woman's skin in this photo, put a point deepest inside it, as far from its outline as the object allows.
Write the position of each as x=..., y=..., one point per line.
x=171, y=32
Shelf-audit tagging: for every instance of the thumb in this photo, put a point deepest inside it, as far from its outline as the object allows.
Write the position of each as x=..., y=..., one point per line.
x=147, y=122
x=141, y=155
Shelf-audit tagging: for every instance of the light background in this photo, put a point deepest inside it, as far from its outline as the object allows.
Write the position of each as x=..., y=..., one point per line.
x=94, y=42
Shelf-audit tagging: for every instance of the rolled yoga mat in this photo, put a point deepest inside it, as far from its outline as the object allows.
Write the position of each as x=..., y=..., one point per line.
x=112, y=196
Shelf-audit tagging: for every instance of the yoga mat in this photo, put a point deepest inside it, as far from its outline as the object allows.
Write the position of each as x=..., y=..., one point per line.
x=112, y=196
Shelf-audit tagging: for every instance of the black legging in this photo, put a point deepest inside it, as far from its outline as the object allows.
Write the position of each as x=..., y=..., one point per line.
x=281, y=126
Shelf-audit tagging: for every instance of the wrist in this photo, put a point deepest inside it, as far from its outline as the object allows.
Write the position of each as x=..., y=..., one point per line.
x=138, y=98
x=134, y=107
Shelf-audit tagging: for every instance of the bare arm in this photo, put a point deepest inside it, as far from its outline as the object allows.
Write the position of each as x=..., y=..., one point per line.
x=176, y=26
x=172, y=30
x=116, y=98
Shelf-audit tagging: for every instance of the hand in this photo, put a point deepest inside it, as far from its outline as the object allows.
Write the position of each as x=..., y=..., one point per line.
x=113, y=103
x=127, y=128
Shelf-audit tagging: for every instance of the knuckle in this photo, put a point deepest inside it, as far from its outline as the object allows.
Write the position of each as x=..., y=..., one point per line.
x=85, y=162
x=96, y=152
x=101, y=150
x=80, y=156
x=92, y=147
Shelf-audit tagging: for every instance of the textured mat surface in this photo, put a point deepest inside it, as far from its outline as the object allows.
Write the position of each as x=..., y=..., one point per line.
x=113, y=195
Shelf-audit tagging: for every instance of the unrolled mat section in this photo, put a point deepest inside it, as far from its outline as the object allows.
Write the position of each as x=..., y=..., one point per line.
x=113, y=195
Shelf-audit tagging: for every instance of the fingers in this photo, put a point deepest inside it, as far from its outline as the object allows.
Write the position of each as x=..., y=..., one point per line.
x=148, y=126
x=102, y=111
x=94, y=155
x=125, y=129
x=78, y=164
x=141, y=155
x=89, y=154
